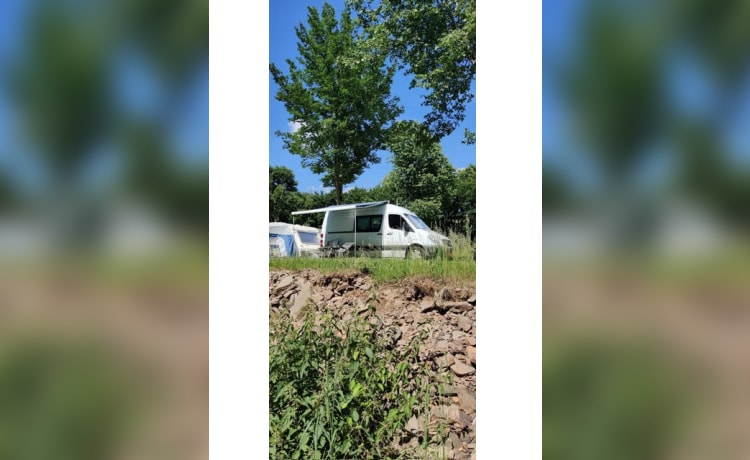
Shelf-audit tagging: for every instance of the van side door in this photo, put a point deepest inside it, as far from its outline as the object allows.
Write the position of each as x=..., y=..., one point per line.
x=396, y=237
x=369, y=235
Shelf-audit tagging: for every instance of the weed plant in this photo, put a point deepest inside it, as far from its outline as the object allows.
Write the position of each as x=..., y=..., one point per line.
x=64, y=400
x=341, y=389
x=614, y=399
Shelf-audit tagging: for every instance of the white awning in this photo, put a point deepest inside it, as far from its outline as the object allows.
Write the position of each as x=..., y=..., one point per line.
x=341, y=207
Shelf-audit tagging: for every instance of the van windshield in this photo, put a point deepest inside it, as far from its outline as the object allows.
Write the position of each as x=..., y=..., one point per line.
x=417, y=222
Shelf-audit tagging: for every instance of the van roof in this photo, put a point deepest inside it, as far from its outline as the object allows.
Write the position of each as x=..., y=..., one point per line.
x=341, y=207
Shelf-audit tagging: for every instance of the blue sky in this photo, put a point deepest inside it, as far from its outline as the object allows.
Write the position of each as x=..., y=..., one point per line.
x=688, y=88
x=283, y=17
x=138, y=93
x=11, y=30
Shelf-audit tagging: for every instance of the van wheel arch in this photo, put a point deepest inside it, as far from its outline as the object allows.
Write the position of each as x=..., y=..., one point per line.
x=415, y=251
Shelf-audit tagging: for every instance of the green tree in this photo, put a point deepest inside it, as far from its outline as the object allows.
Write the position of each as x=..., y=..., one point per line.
x=281, y=175
x=338, y=94
x=435, y=43
x=429, y=210
x=556, y=190
x=717, y=32
x=61, y=90
x=465, y=204
x=357, y=195
x=314, y=201
x=10, y=195
x=420, y=169
x=283, y=196
x=466, y=189
x=385, y=190
x=172, y=33
x=612, y=87
x=282, y=203
x=153, y=174
x=706, y=175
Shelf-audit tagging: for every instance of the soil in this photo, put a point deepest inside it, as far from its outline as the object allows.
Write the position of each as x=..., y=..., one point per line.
x=445, y=310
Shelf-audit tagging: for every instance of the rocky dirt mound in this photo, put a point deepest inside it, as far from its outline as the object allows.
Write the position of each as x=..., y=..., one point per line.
x=447, y=314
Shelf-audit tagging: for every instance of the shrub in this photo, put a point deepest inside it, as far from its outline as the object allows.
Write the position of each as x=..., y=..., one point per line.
x=607, y=399
x=62, y=400
x=341, y=389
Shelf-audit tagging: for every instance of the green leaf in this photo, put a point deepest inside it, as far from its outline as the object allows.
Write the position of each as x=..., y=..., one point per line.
x=356, y=389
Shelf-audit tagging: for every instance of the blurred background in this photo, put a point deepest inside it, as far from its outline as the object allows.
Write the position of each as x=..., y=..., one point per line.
x=104, y=229
x=646, y=229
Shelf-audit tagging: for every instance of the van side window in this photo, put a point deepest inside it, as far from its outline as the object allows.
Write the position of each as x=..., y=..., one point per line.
x=397, y=222
x=369, y=223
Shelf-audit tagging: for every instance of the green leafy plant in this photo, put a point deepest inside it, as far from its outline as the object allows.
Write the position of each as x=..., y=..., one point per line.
x=614, y=400
x=64, y=399
x=341, y=389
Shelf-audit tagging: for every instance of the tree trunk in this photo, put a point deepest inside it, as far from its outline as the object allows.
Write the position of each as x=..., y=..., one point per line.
x=339, y=193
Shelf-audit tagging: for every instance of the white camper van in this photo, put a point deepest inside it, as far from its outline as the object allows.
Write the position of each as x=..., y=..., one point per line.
x=377, y=228
x=285, y=240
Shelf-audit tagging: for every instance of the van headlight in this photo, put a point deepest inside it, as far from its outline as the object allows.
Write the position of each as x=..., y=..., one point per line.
x=440, y=240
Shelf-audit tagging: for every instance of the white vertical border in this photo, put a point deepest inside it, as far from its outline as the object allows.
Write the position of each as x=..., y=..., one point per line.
x=509, y=237
x=238, y=271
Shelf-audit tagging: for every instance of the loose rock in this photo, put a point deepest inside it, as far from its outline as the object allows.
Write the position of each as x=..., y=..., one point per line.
x=471, y=353
x=461, y=369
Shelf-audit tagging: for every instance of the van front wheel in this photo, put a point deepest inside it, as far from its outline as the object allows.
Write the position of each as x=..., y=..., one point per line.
x=415, y=252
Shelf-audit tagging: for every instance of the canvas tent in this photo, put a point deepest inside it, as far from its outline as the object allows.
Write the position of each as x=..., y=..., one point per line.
x=287, y=240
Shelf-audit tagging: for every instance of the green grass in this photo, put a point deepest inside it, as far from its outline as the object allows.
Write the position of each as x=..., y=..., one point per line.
x=728, y=267
x=384, y=270
x=184, y=264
